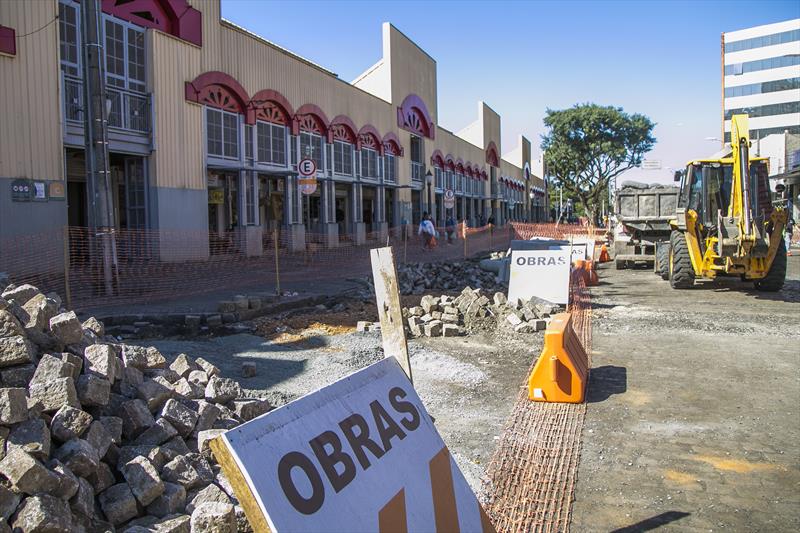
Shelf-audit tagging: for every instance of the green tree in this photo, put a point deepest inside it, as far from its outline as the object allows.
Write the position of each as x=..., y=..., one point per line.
x=588, y=145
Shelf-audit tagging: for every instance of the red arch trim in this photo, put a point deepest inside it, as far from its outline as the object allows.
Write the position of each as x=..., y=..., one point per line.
x=437, y=158
x=346, y=126
x=266, y=96
x=314, y=111
x=391, y=144
x=492, y=155
x=194, y=88
x=413, y=116
x=449, y=163
x=368, y=130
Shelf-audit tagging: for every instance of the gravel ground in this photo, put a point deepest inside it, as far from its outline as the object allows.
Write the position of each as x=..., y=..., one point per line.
x=468, y=383
x=693, y=420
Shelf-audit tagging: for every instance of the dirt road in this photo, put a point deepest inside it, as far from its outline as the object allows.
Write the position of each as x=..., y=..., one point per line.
x=693, y=420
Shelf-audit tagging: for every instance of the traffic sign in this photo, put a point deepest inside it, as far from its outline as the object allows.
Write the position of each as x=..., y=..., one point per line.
x=449, y=199
x=307, y=167
x=308, y=185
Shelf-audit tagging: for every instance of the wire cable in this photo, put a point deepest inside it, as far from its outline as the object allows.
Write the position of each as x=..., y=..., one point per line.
x=40, y=29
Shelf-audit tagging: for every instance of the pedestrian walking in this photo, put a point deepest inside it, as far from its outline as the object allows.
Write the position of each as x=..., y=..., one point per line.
x=427, y=231
x=789, y=231
x=450, y=228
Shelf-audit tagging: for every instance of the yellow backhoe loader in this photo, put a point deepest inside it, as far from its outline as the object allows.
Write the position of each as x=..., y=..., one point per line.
x=725, y=223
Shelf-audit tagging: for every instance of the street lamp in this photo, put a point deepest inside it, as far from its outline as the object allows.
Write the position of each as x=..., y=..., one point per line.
x=428, y=180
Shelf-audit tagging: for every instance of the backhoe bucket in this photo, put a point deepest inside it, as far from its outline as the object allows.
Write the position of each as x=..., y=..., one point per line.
x=562, y=371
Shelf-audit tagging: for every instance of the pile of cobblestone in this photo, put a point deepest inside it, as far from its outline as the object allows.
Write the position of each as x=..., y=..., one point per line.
x=473, y=311
x=96, y=435
x=418, y=278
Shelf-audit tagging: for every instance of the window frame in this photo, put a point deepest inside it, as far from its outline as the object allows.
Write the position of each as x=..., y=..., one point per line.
x=341, y=152
x=128, y=83
x=371, y=156
x=269, y=149
x=313, y=137
x=78, y=64
x=238, y=144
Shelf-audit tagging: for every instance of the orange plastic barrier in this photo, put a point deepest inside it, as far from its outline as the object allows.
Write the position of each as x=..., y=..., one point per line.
x=562, y=371
x=604, y=257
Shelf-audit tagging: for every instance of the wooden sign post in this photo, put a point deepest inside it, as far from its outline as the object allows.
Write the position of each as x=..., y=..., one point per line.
x=387, y=294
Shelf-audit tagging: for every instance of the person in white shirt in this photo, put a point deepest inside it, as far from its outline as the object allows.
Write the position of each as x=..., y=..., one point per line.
x=427, y=231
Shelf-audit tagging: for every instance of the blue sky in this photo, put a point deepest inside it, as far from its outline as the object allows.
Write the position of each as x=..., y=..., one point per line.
x=657, y=58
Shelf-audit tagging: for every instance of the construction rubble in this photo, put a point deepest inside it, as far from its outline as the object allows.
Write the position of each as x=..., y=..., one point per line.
x=101, y=436
x=472, y=311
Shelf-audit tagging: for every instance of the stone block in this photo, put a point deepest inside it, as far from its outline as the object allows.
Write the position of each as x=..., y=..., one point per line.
x=255, y=302
x=222, y=390
x=158, y=433
x=69, y=423
x=16, y=350
x=513, y=319
x=192, y=322
x=95, y=326
x=182, y=365
x=50, y=368
x=43, y=513
x=13, y=405
x=416, y=311
x=79, y=456
x=171, y=501
x=210, y=494
x=31, y=436
x=450, y=330
x=143, y=480
x=198, y=377
x=524, y=327
x=40, y=310
x=93, y=390
x=26, y=474
x=9, y=500
x=207, y=415
x=424, y=319
x=214, y=517
x=449, y=319
x=102, y=478
x=226, y=306
x=187, y=389
x=437, y=315
x=101, y=360
x=181, y=417
x=181, y=471
x=180, y=523
x=113, y=425
x=154, y=454
x=67, y=328
x=173, y=448
x=429, y=303
x=154, y=392
x=118, y=503
x=362, y=325
x=9, y=325
x=67, y=481
x=136, y=418
x=214, y=321
x=17, y=376
x=55, y=394
x=249, y=369
x=433, y=328
x=204, y=437
x=20, y=294
x=76, y=362
x=82, y=503
x=99, y=437
x=250, y=409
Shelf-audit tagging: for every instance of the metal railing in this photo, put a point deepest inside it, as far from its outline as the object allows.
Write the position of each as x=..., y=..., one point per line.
x=129, y=110
x=417, y=171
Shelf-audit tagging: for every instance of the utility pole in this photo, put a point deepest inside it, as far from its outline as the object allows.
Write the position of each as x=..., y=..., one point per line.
x=95, y=127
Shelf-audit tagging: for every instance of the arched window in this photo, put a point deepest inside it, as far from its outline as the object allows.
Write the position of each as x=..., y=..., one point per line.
x=225, y=100
x=342, y=136
x=273, y=114
x=391, y=150
x=311, y=127
x=492, y=157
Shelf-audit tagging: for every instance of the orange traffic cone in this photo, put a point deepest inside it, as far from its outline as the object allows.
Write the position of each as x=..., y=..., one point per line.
x=604, y=257
x=591, y=274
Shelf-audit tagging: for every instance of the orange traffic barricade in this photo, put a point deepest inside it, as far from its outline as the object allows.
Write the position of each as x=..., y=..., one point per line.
x=562, y=371
x=604, y=257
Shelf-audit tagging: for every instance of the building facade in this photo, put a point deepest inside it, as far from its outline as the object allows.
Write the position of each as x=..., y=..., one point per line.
x=207, y=123
x=761, y=77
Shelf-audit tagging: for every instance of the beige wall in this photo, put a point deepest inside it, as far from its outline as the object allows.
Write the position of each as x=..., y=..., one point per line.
x=30, y=111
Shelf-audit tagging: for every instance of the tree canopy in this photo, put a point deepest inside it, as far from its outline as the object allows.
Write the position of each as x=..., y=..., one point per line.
x=587, y=145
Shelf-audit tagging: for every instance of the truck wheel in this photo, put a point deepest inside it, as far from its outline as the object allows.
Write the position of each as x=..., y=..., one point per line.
x=681, y=272
x=774, y=279
x=662, y=258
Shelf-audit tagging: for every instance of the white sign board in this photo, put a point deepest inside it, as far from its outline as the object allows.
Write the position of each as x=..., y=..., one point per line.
x=581, y=249
x=449, y=199
x=361, y=454
x=651, y=164
x=540, y=273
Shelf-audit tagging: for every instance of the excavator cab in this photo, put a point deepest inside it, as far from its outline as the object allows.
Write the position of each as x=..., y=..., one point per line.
x=725, y=222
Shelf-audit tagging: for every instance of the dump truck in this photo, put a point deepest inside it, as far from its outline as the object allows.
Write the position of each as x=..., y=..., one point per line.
x=725, y=223
x=642, y=227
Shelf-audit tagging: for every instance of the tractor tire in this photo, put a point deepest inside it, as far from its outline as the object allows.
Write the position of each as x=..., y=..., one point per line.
x=662, y=260
x=680, y=270
x=774, y=279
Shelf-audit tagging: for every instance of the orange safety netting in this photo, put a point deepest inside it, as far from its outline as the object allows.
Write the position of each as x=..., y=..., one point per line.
x=531, y=477
x=160, y=265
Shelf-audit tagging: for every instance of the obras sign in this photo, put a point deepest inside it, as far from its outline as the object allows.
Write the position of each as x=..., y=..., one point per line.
x=542, y=273
x=359, y=455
